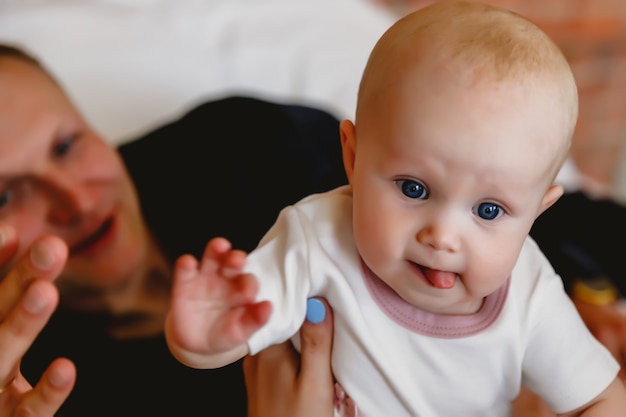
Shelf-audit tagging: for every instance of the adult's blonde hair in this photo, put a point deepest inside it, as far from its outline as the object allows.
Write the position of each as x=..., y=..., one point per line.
x=16, y=52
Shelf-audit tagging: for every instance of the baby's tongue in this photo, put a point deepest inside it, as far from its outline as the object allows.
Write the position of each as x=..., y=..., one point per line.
x=440, y=279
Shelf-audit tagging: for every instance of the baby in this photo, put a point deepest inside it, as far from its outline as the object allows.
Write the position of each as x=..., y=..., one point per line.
x=443, y=304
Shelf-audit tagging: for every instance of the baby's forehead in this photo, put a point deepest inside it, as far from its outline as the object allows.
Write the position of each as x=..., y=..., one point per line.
x=482, y=163
x=472, y=45
x=512, y=126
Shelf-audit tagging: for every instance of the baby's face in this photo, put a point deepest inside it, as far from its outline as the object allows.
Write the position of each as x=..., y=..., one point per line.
x=448, y=177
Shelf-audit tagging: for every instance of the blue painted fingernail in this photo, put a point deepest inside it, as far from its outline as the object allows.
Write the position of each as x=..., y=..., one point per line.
x=315, y=311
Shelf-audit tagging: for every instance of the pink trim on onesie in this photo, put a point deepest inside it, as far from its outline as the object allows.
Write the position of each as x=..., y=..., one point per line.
x=430, y=324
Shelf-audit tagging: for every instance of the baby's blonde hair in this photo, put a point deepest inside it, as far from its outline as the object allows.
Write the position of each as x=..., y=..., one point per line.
x=492, y=44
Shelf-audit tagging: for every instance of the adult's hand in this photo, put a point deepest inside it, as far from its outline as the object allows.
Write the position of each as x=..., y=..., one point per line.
x=282, y=383
x=608, y=325
x=529, y=404
x=28, y=298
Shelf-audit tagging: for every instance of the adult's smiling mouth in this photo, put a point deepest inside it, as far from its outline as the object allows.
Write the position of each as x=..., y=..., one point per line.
x=93, y=240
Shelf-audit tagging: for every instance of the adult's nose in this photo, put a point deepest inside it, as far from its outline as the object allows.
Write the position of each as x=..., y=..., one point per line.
x=69, y=198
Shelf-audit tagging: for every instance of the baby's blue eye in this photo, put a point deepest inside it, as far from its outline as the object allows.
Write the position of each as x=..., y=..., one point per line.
x=488, y=211
x=412, y=189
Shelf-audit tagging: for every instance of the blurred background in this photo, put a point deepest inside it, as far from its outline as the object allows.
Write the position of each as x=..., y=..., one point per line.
x=130, y=64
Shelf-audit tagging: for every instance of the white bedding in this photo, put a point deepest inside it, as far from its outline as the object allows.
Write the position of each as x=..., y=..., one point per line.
x=131, y=64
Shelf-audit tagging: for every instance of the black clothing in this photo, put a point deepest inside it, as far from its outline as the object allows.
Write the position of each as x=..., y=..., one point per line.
x=226, y=168
x=584, y=237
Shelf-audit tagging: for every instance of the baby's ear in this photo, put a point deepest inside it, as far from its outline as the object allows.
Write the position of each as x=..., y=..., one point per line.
x=348, y=145
x=552, y=195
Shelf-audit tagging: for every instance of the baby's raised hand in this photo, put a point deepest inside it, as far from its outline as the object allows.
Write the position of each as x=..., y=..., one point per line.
x=213, y=312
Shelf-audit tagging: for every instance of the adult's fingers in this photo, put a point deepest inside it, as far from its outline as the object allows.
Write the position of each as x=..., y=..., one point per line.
x=44, y=260
x=529, y=404
x=53, y=388
x=312, y=368
x=27, y=302
x=270, y=378
x=280, y=383
x=316, y=339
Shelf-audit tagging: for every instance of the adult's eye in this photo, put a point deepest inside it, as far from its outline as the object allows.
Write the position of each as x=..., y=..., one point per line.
x=63, y=146
x=412, y=189
x=488, y=211
x=5, y=198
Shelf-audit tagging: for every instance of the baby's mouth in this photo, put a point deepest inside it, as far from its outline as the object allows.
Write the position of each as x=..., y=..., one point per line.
x=439, y=279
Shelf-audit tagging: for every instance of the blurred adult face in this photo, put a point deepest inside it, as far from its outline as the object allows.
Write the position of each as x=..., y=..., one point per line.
x=57, y=176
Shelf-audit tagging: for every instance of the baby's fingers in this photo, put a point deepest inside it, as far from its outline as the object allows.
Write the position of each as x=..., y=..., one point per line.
x=185, y=269
x=242, y=289
x=241, y=322
x=220, y=256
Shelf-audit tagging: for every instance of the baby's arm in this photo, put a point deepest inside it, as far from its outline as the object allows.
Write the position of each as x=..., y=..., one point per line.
x=213, y=313
x=610, y=403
